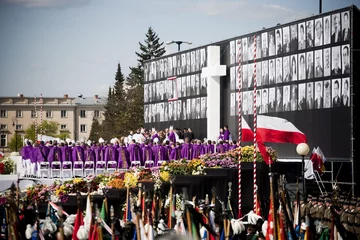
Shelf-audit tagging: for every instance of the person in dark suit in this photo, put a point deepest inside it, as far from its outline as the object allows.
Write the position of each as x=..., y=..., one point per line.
x=310, y=66
x=345, y=100
x=346, y=30
x=264, y=46
x=336, y=36
x=346, y=65
x=278, y=42
x=294, y=38
x=319, y=71
x=286, y=100
x=309, y=97
x=336, y=65
x=271, y=72
x=265, y=73
x=318, y=97
x=279, y=101
x=336, y=98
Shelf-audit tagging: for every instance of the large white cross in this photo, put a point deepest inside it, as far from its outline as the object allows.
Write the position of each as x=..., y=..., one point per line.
x=213, y=72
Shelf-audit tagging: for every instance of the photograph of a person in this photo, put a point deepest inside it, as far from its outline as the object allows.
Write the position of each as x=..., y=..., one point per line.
x=165, y=69
x=279, y=76
x=294, y=38
x=244, y=49
x=327, y=94
x=238, y=44
x=327, y=65
x=279, y=100
x=179, y=109
x=309, y=65
x=203, y=107
x=251, y=75
x=345, y=26
x=336, y=28
x=183, y=87
x=183, y=63
x=250, y=45
x=302, y=36
x=336, y=61
x=258, y=46
x=184, y=110
x=146, y=92
x=193, y=108
x=310, y=34
x=278, y=40
x=175, y=112
x=178, y=64
x=258, y=101
x=336, y=90
x=272, y=71
x=264, y=45
x=245, y=76
x=188, y=86
x=154, y=92
x=232, y=52
x=286, y=40
x=293, y=98
x=203, y=86
x=318, y=32
x=232, y=104
x=197, y=84
x=301, y=97
x=345, y=96
x=258, y=73
x=286, y=69
x=188, y=62
x=160, y=69
x=161, y=112
x=192, y=55
x=146, y=72
x=272, y=47
x=170, y=67
x=294, y=68
x=264, y=101
x=158, y=93
x=192, y=89
x=188, y=111
x=264, y=73
x=286, y=98
x=174, y=65
x=309, y=95
x=197, y=60
x=251, y=102
x=178, y=87
x=319, y=70
x=161, y=91
x=171, y=116
x=346, y=59
x=146, y=113
x=237, y=69
x=318, y=95
x=202, y=58
x=245, y=104
x=150, y=99
x=271, y=100
x=174, y=89
x=232, y=78
x=327, y=31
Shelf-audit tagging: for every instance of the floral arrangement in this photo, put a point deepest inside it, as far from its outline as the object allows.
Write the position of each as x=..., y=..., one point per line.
x=176, y=167
x=39, y=193
x=7, y=166
x=196, y=167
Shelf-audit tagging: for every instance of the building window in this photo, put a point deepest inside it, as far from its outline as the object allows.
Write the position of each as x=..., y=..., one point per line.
x=19, y=126
x=3, y=140
x=3, y=126
x=63, y=126
x=96, y=113
x=82, y=113
x=63, y=113
x=33, y=114
x=3, y=113
x=49, y=114
x=18, y=113
x=82, y=128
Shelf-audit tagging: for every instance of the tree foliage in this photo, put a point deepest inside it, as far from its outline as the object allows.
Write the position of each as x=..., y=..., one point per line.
x=95, y=130
x=49, y=128
x=16, y=141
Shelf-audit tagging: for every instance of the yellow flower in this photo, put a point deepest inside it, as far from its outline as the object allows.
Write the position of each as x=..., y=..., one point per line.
x=77, y=180
x=164, y=176
x=130, y=180
x=116, y=183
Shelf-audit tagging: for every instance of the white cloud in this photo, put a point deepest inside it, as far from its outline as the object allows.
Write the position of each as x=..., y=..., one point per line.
x=46, y=3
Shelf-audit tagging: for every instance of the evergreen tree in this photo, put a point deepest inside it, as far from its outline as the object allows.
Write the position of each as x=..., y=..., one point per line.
x=95, y=130
x=107, y=126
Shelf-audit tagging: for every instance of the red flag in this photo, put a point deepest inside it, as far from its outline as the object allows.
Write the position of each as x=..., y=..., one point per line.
x=77, y=224
x=270, y=228
x=317, y=157
x=258, y=206
x=247, y=133
x=93, y=234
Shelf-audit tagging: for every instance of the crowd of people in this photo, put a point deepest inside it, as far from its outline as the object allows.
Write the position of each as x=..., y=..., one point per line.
x=143, y=147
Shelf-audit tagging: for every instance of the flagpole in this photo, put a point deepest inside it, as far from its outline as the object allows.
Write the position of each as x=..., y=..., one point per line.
x=255, y=127
x=272, y=201
x=239, y=127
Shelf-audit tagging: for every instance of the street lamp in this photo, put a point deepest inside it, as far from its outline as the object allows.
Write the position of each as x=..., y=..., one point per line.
x=15, y=121
x=303, y=149
x=178, y=43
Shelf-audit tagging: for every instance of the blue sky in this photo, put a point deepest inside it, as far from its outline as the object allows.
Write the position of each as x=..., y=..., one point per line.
x=57, y=47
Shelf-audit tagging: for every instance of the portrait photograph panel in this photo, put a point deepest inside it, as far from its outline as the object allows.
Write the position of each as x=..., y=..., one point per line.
x=245, y=104
x=264, y=73
x=286, y=40
x=272, y=47
x=319, y=32
x=264, y=101
x=327, y=94
x=279, y=107
x=165, y=69
x=170, y=67
x=251, y=44
x=238, y=47
x=319, y=100
x=154, y=111
x=197, y=60
x=174, y=104
x=336, y=28
x=170, y=113
x=251, y=75
x=345, y=25
x=301, y=36
x=162, y=112
x=203, y=85
x=272, y=71
x=146, y=69
x=294, y=38
x=336, y=61
x=146, y=92
x=258, y=101
x=264, y=45
x=183, y=63
x=251, y=102
x=174, y=88
x=272, y=100
x=286, y=98
x=310, y=95
x=278, y=40
x=310, y=34
x=237, y=70
x=245, y=75
x=193, y=108
x=174, y=65
x=232, y=77
x=346, y=59
x=184, y=110
x=178, y=86
x=302, y=96
x=294, y=68
x=286, y=69
x=279, y=73
x=232, y=52
x=197, y=84
x=188, y=62
x=161, y=91
x=146, y=112
x=294, y=97
x=258, y=46
x=202, y=58
x=232, y=104
x=192, y=82
x=188, y=87
x=258, y=73
x=310, y=65
x=319, y=70
x=327, y=62
x=345, y=96
x=327, y=30
x=183, y=87
x=244, y=50
x=192, y=54
x=203, y=107
x=336, y=91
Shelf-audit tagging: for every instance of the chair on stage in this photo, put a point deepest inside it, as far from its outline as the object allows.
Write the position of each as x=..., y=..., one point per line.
x=55, y=171
x=160, y=162
x=135, y=163
x=66, y=169
x=149, y=164
x=44, y=169
x=111, y=166
x=100, y=167
x=89, y=168
x=78, y=169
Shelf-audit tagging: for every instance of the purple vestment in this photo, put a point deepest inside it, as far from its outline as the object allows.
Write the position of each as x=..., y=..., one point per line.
x=226, y=135
x=198, y=150
x=55, y=156
x=187, y=151
x=172, y=137
x=147, y=154
x=134, y=152
x=123, y=159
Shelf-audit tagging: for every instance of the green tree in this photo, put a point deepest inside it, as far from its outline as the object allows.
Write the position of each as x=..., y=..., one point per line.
x=107, y=126
x=16, y=141
x=95, y=130
x=49, y=128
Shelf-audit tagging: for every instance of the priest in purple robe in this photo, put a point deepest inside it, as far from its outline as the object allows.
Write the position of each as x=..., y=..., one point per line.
x=111, y=155
x=89, y=158
x=134, y=151
x=226, y=133
x=66, y=155
x=154, y=134
x=159, y=152
x=99, y=153
x=167, y=150
x=233, y=145
x=172, y=136
x=221, y=135
x=42, y=153
x=78, y=155
x=147, y=154
x=54, y=156
x=26, y=153
x=198, y=149
x=174, y=152
x=187, y=150
x=209, y=147
x=123, y=157
x=220, y=148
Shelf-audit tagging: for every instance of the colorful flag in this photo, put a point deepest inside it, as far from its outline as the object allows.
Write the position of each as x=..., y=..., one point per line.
x=77, y=224
x=318, y=159
x=270, y=229
x=247, y=133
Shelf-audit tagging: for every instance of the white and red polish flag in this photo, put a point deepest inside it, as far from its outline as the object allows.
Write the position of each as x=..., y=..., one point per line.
x=247, y=133
x=278, y=130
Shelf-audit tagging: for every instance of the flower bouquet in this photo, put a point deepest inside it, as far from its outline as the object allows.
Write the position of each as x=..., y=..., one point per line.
x=196, y=167
x=39, y=193
x=7, y=166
